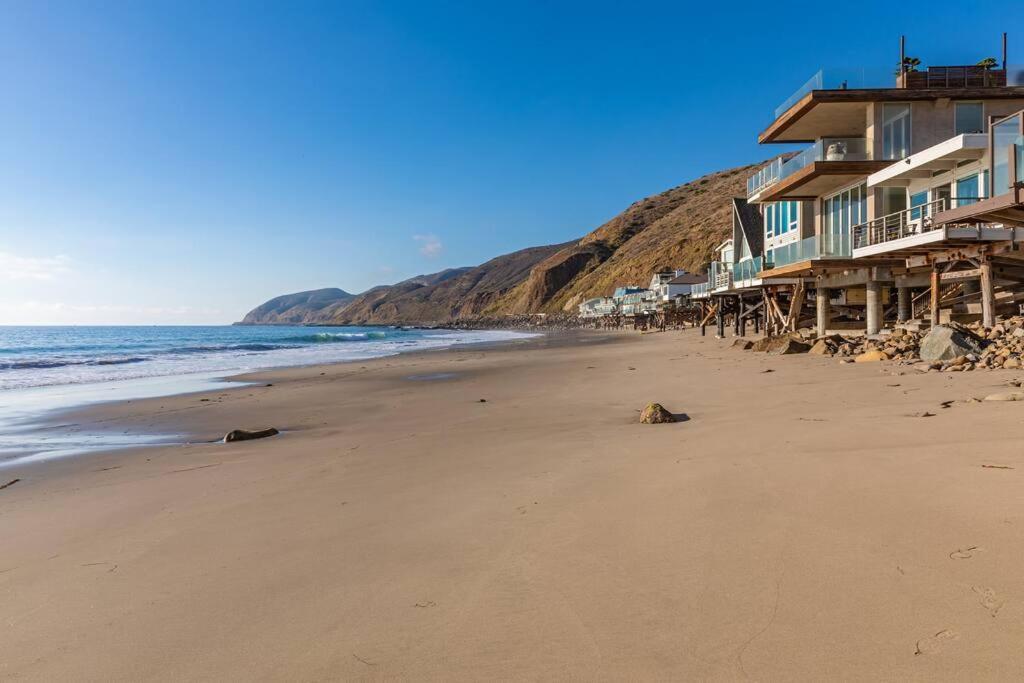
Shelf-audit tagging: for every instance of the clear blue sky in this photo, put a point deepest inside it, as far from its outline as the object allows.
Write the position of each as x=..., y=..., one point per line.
x=182, y=162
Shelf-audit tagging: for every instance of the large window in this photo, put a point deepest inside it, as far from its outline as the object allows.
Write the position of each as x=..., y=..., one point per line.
x=895, y=131
x=916, y=202
x=781, y=218
x=967, y=190
x=840, y=213
x=970, y=117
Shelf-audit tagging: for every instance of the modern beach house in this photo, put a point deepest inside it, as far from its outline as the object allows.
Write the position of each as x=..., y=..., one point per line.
x=911, y=182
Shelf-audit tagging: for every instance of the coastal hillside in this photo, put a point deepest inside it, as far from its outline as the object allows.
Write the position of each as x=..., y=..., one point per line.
x=298, y=308
x=677, y=228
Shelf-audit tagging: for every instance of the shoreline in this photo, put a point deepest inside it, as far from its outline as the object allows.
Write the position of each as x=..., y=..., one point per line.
x=34, y=416
x=400, y=528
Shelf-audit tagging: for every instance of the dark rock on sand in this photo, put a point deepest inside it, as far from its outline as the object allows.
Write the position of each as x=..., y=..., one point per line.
x=654, y=414
x=247, y=435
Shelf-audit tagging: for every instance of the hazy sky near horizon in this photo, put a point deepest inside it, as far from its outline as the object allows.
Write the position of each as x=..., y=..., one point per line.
x=182, y=162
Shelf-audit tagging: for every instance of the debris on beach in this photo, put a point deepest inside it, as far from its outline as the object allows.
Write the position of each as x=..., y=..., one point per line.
x=249, y=435
x=12, y=482
x=655, y=413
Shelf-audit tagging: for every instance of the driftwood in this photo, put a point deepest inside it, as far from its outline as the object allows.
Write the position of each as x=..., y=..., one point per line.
x=246, y=435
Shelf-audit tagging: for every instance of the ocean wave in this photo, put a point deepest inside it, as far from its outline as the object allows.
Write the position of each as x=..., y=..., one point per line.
x=46, y=363
x=216, y=348
x=331, y=337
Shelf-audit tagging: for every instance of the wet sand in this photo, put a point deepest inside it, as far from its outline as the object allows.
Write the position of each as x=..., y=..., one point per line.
x=803, y=523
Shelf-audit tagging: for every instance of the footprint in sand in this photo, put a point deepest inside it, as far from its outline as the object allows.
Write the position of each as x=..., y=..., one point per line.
x=964, y=553
x=988, y=599
x=934, y=644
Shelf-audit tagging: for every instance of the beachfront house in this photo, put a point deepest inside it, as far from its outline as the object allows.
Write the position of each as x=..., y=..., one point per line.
x=598, y=307
x=909, y=182
x=632, y=301
x=669, y=287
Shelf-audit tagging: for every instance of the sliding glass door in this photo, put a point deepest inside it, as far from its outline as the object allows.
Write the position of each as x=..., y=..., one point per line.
x=895, y=131
x=839, y=214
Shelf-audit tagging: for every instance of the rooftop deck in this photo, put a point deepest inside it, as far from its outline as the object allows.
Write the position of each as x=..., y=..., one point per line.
x=836, y=101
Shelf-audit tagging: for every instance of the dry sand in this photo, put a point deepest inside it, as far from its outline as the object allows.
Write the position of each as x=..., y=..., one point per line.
x=800, y=525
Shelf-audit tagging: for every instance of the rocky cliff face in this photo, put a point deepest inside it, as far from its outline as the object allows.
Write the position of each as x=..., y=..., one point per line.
x=678, y=228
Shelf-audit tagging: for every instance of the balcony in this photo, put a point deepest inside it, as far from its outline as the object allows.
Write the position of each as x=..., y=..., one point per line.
x=898, y=225
x=915, y=232
x=835, y=101
x=746, y=272
x=798, y=258
x=839, y=79
x=941, y=157
x=826, y=165
x=721, y=276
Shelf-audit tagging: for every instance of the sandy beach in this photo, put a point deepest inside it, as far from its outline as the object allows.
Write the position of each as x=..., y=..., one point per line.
x=804, y=523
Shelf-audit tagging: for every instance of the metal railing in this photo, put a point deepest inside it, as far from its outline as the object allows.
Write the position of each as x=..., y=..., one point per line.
x=720, y=275
x=894, y=226
x=826, y=149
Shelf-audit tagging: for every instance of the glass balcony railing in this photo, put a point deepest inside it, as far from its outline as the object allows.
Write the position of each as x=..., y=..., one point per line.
x=768, y=175
x=700, y=289
x=814, y=247
x=841, y=79
x=886, y=77
x=826, y=149
x=748, y=269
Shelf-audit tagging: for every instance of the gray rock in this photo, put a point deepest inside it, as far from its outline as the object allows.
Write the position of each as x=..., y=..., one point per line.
x=946, y=343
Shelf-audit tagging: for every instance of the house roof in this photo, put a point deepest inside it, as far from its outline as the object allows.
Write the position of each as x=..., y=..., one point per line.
x=688, y=279
x=750, y=226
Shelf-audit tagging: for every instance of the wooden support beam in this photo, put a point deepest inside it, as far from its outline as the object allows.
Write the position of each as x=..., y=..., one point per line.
x=988, y=302
x=797, y=303
x=934, y=307
x=972, y=274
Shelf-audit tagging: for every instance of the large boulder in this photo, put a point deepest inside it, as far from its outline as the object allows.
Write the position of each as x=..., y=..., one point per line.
x=654, y=414
x=789, y=345
x=944, y=342
x=871, y=356
x=778, y=343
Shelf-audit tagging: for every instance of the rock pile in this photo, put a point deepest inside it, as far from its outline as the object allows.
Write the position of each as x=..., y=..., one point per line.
x=946, y=348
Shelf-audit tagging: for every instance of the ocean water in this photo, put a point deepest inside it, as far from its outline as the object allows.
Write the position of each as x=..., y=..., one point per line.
x=47, y=356
x=46, y=370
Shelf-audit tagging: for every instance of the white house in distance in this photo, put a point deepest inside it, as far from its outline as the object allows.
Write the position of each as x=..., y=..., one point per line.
x=597, y=307
x=668, y=285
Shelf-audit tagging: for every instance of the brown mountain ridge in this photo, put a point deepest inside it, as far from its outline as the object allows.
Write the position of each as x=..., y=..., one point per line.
x=677, y=228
